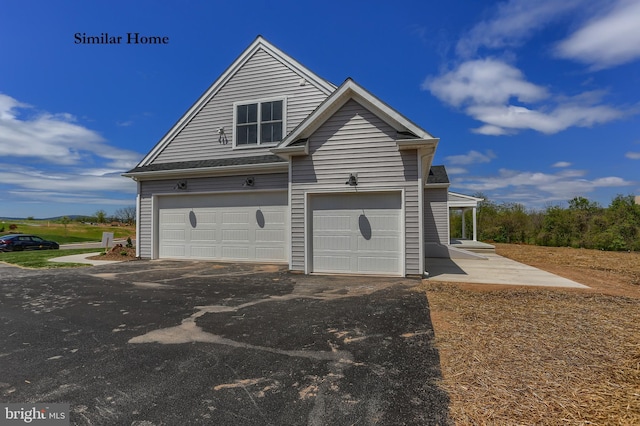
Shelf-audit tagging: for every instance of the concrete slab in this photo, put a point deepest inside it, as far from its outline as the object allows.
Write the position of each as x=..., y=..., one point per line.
x=494, y=270
x=82, y=258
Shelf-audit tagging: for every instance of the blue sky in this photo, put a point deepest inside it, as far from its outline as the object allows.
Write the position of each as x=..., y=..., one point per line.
x=533, y=101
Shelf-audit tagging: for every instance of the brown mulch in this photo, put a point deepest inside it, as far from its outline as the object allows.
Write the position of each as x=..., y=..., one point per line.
x=117, y=252
x=533, y=355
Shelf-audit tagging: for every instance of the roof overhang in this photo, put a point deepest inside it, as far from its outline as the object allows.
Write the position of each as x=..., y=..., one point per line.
x=208, y=171
x=289, y=151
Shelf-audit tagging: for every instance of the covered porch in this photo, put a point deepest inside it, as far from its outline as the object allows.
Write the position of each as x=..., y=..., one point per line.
x=464, y=203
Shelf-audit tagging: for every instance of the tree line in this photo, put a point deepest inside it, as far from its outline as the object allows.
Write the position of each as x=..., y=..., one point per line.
x=125, y=215
x=582, y=224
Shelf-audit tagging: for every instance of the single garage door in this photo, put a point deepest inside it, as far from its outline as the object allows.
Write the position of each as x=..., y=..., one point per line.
x=357, y=233
x=247, y=226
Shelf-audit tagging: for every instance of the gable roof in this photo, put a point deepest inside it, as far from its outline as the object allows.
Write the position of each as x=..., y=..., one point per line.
x=258, y=44
x=408, y=132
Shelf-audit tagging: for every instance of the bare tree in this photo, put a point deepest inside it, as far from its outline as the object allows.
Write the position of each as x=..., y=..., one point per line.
x=126, y=215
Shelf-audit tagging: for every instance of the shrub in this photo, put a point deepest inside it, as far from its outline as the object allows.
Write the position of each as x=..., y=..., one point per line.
x=129, y=243
x=124, y=253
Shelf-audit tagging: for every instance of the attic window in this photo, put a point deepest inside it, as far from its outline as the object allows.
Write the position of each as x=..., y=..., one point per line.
x=259, y=122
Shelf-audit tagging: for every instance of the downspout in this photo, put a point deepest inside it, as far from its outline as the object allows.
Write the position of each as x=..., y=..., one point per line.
x=421, y=266
x=138, y=206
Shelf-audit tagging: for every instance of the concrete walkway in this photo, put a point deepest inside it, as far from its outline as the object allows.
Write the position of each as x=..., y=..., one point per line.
x=82, y=258
x=494, y=270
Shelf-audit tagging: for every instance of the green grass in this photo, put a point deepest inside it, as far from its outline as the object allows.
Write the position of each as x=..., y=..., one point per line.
x=40, y=258
x=73, y=233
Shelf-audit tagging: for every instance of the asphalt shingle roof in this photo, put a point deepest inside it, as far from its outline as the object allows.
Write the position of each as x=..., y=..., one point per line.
x=197, y=164
x=438, y=174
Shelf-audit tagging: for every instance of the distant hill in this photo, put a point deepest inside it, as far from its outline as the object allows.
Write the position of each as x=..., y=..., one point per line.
x=71, y=216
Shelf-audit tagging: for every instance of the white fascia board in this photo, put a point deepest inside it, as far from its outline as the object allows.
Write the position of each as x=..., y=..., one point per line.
x=351, y=90
x=421, y=144
x=436, y=185
x=258, y=43
x=467, y=197
x=208, y=171
x=289, y=151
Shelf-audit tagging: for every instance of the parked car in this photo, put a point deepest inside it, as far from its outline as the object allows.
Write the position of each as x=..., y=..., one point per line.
x=19, y=242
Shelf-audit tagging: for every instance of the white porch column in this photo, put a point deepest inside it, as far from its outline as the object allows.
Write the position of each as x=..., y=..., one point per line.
x=475, y=224
x=464, y=226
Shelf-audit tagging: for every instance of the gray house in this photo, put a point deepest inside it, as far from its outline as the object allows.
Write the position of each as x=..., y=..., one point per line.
x=275, y=164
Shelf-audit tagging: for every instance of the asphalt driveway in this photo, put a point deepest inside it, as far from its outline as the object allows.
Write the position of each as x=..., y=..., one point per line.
x=180, y=343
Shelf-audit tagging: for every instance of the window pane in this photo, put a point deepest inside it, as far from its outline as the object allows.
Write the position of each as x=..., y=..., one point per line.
x=242, y=114
x=265, y=113
x=271, y=132
x=247, y=114
x=252, y=113
x=253, y=134
x=276, y=110
x=241, y=135
x=247, y=134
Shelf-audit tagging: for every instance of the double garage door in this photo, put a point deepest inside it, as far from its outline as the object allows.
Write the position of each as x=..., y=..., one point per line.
x=250, y=227
x=357, y=233
x=348, y=233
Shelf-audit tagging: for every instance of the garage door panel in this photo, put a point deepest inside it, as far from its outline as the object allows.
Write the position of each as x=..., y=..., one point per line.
x=379, y=244
x=203, y=252
x=224, y=226
x=235, y=218
x=274, y=218
x=324, y=263
x=235, y=235
x=270, y=236
x=173, y=234
x=378, y=264
x=233, y=252
x=203, y=235
x=270, y=253
x=169, y=250
x=357, y=233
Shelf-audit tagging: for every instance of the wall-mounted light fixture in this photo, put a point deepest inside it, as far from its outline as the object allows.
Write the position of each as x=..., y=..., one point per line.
x=249, y=181
x=353, y=179
x=181, y=185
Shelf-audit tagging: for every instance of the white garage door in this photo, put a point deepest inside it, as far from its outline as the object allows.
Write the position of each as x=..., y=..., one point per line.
x=357, y=233
x=250, y=227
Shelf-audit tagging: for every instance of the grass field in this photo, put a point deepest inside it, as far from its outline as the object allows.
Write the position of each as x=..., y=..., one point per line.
x=73, y=233
x=40, y=258
x=532, y=355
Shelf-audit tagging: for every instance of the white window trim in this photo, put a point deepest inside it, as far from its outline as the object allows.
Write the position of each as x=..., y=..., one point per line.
x=259, y=101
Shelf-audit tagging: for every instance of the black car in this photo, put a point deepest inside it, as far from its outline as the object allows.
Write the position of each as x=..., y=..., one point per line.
x=19, y=242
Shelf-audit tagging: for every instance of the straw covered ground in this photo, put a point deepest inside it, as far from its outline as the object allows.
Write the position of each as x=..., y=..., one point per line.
x=533, y=355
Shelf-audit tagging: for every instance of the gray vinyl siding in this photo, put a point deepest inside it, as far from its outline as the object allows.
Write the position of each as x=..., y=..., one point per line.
x=262, y=76
x=436, y=215
x=355, y=140
x=275, y=181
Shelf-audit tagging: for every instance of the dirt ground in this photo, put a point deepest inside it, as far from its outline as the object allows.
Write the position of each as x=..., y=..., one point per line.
x=118, y=252
x=516, y=355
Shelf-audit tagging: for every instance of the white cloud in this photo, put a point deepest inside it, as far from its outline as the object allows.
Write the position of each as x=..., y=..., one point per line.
x=484, y=82
x=541, y=187
x=633, y=155
x=513, y=23
x=471, y=157
x=610, y=39
x=486, y=90
x=54, y=138
x=562, y=164
x=83, y=181
x=456, y=170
